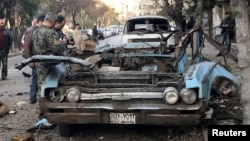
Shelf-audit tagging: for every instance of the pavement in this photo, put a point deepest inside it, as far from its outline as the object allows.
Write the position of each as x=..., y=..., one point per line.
x=16, y=53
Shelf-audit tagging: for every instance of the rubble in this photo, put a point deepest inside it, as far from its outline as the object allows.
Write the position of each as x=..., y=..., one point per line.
x=21, y=103
x=4, y=109
x=23, y=138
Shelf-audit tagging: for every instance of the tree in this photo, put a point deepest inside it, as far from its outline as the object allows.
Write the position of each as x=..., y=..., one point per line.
x=17, y=13
x=74, y=7
x=98, y=12
x=51, y=5
x=243, y=43
x=25, y=11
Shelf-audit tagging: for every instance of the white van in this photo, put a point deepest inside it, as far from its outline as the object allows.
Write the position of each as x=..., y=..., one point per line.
x=147, y=29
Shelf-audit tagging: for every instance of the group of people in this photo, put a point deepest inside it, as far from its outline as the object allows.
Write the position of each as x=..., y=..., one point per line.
x=45, y=37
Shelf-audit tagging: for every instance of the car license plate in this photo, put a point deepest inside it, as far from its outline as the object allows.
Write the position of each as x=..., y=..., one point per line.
x=122, y=118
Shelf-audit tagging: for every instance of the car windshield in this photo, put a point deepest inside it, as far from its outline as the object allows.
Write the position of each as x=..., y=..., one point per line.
x=155, y=23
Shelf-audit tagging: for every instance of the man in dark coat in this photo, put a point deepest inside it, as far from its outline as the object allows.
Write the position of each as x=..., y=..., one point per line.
x=29, y=52
x=6, y=39
x=227, y=26
x=95, y=34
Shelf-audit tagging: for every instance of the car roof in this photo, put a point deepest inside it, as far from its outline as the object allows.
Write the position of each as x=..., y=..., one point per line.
x=147, y=17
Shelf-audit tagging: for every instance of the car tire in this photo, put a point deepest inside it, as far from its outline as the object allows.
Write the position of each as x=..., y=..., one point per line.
x=65, y=130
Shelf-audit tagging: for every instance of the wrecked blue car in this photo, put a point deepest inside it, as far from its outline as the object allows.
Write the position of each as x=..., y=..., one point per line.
x=133, y=83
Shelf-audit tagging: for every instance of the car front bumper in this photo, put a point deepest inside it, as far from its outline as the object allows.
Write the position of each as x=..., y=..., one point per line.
x=146, y=114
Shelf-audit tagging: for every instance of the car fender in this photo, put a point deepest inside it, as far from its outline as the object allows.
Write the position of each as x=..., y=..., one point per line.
x=56, y=73
x=203, y=74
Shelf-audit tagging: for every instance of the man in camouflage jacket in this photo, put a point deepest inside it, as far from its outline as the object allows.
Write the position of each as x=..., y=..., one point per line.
x=46, y=42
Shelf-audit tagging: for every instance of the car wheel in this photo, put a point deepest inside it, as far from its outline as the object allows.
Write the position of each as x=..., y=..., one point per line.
x=65, y=130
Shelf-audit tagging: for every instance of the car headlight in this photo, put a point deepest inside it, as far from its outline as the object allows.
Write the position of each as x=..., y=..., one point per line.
x=73, y=95
x=170, y=95
x=188, y=96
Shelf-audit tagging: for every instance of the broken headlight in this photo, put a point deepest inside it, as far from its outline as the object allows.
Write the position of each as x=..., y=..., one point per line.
x=188, y=96
x=73, y=95
x=170, y=95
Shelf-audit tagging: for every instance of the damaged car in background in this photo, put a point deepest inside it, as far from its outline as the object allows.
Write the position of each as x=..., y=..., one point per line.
x=131, y=83
x=146, y=29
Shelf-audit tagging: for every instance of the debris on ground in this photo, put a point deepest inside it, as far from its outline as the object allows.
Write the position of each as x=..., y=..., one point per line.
x=41, y=124
x=26, y=75
x=209, y=113
x=1, y=130
x=19, y=94
x=4, y=109
x=227, y=122
x=23, y=138
x=12, y=112
x=21, y=103
x=227, y=91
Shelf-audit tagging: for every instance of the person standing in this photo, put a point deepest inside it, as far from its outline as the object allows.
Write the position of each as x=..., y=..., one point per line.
x=227, y=26
x=95, y=34
x=80, y=43
x=77, y=35
x=183, y=24
x=45, y=42
x=6, y=39
x=59, y=24
x=29, y=52
x=190, y=23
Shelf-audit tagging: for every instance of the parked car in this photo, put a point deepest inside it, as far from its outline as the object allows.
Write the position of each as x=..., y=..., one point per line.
x=146, y=29
x=103, y=31
x=100, y=34
x=108, y=31
x=115, y=29
x=132, y=83
x=87, y=34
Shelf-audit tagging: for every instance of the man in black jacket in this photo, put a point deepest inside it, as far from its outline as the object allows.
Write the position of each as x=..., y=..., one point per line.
x=6, y=39
x=95, y=34
x=227, y=26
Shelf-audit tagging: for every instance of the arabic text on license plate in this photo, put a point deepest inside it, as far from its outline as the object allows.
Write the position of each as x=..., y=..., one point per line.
x=122, y=118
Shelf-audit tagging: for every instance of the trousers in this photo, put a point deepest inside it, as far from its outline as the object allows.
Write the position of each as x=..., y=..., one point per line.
x=4, y=62
x=226, y=38
x=33, y=85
